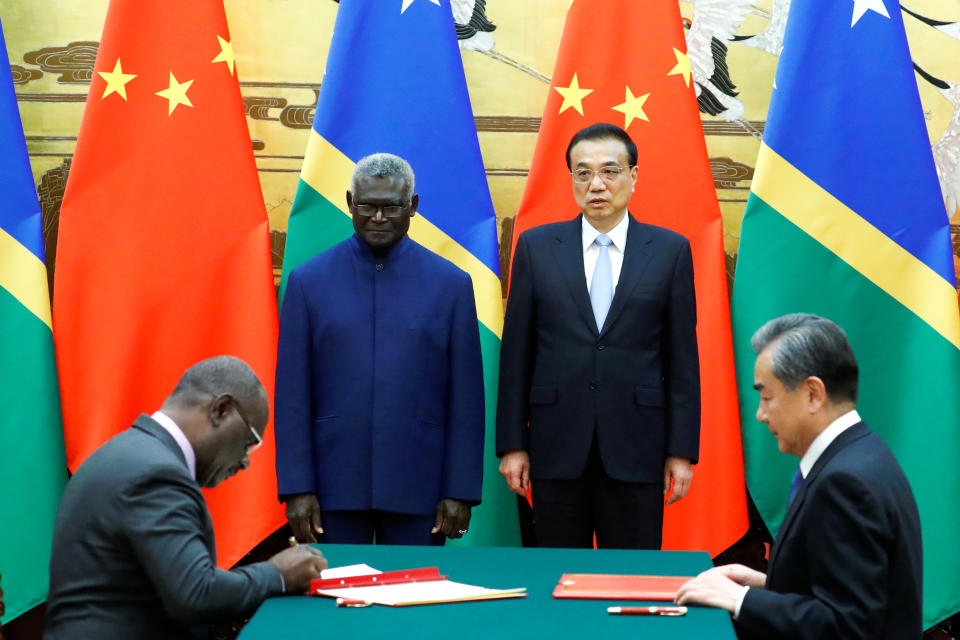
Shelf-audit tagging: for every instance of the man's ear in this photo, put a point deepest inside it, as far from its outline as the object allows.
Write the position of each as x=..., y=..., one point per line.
x=414, y=202
x=816, y=393
x=221, y=407
x=349, y=200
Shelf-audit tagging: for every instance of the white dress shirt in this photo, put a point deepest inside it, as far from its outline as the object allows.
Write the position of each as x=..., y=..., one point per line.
x=174, y=430
x=618, y=244
x=810, y=457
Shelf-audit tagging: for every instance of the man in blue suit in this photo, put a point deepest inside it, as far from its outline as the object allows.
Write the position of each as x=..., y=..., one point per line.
x=379, y=400
x=847, y=562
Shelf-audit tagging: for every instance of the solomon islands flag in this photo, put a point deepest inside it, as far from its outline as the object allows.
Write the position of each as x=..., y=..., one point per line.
x=33, y=466
x=846, y=220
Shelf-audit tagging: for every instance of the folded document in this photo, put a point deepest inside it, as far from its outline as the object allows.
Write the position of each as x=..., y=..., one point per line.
x=402, y=588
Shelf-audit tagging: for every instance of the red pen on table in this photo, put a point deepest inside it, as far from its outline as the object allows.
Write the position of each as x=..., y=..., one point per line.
x=350, y=602
x=647, y=611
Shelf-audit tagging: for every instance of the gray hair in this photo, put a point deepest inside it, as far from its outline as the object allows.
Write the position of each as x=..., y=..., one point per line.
x=384, y=165
x=216, y=376
x=806, y=345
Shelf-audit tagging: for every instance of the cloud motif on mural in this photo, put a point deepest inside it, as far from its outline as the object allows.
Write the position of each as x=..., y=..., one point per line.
x=22, y=75
x=74, y=62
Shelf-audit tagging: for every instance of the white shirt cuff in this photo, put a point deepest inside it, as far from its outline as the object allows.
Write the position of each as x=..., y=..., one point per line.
x=743, y=594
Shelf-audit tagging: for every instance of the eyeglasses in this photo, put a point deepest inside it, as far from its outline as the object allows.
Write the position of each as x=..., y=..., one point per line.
x=370, y=210
x=257, y=439
x=608, y=174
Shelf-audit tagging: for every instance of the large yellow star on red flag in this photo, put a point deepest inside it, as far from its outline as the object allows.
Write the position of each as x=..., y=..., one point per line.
x=226, y=54
x=573, y=95
x=176, y=93
x=116, y=81
x=632, y=108
x=682, y=67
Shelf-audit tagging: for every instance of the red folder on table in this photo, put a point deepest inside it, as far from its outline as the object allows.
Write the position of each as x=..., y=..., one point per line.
x=405, y=576
x=600, y=586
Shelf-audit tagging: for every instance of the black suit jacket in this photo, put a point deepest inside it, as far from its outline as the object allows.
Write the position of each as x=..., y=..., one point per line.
x=847, y=562
x=133, y=548
x=636, y=380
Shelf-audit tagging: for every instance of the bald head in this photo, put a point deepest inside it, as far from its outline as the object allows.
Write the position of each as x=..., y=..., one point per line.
x=221, y=375
x=222, y=409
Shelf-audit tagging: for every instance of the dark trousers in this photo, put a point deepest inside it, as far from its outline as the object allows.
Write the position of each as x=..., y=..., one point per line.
x=363, y=527
x=623, y=515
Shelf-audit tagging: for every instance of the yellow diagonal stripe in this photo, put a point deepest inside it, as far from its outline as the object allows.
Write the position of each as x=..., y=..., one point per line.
x=328, y=171
x=25, y=276
x=858, y=243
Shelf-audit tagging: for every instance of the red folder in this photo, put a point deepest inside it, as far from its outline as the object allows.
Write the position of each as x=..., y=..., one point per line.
x=425, y=574
x=599, y=586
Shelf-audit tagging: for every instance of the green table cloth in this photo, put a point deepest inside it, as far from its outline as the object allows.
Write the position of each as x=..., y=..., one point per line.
x=538, y=615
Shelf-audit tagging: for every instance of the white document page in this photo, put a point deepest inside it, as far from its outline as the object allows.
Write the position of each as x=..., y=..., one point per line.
x=410, y=593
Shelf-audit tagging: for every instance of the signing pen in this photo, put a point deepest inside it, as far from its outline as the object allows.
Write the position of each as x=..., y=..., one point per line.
x=349, y=602
x=647, y=611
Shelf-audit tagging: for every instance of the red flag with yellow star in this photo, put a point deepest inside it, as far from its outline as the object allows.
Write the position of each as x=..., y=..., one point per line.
x=164, y=255
x=625, y=62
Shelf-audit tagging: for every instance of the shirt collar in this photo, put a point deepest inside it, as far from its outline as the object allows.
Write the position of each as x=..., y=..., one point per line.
x=174, y=430
x=826, y=437
x=364, y=250
x=618, y=235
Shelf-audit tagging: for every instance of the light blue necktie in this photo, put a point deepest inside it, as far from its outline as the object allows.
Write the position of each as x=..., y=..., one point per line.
x=795, y=485
x=601, y=287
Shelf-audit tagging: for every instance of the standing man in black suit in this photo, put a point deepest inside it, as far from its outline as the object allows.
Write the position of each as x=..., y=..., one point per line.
x=599, y=358
x=847, y=562
x=133, y=548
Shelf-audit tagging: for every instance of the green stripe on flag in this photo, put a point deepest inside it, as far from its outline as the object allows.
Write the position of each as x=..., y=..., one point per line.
x=316, y=224
x=495, y=522
x=32, y=460
x=907, y=382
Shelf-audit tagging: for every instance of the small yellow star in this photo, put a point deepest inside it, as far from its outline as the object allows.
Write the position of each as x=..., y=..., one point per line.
x=226, y=53
x=682, y=67
x=176, y=93
x=116, y=81
x=632, y=108
x=573, y=96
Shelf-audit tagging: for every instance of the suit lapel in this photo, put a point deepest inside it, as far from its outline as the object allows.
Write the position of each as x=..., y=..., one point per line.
x=568, y=251
x=635, y=259
x=788, y=521
x=855, y=432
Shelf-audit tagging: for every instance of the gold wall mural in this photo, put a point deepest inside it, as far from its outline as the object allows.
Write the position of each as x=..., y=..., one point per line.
x=508, y=49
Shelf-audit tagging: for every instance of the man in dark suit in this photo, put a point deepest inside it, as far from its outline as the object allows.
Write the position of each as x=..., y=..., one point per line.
x=133, y=546
x=599, y=358
x=380, y=414
x=847, y=562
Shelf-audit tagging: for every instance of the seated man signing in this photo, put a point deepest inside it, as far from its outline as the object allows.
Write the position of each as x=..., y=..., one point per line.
x=133, y=547
x=847, y=562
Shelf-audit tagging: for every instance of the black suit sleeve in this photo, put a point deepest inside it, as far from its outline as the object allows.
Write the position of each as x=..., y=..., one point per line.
x=162, y=520
x=516, y=355
x=682, y=362
x=848, y=537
